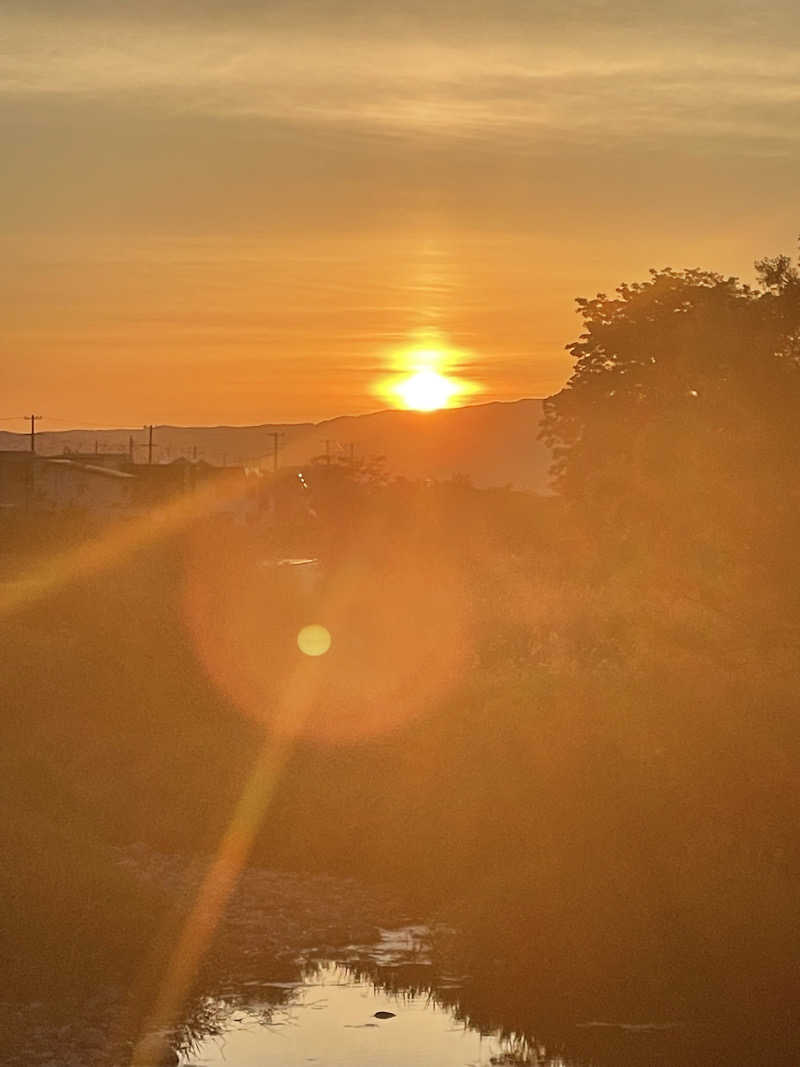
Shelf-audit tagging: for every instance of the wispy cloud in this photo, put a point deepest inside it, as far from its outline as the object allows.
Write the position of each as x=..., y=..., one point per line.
x=619, y=84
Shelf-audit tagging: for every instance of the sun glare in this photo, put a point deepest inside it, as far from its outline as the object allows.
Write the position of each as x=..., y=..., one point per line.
x=425, y=386
x=426, y=390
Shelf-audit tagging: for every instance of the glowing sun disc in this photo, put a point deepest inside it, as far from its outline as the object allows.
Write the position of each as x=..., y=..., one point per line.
x=426, y=390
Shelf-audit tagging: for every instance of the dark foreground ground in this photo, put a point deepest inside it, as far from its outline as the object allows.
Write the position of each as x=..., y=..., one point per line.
x=587, y=762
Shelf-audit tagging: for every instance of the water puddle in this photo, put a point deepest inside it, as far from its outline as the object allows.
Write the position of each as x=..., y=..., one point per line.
x=387, y=1005
x=337, y=1016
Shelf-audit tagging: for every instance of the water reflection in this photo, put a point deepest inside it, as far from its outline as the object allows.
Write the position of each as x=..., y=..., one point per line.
x=341, y=1017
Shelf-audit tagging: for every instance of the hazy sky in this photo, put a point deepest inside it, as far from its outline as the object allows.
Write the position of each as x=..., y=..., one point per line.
x=238, y=211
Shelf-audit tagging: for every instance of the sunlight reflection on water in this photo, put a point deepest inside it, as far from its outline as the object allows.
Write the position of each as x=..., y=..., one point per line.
x=330, y=1019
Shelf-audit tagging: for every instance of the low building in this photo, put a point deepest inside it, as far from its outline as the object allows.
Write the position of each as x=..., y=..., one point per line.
x=29, y=482
x=158, y=484
x=61, y=484
x=119, y=461
x=16, y=479
x=32, y=482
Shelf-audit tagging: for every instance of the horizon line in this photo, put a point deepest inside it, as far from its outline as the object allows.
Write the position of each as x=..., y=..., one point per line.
x=82, y=428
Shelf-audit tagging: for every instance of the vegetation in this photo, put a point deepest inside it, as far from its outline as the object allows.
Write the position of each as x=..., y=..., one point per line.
x=676, y=433
x=570, y=723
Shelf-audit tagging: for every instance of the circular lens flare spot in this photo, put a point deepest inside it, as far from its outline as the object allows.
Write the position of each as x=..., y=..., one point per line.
x=314, y=640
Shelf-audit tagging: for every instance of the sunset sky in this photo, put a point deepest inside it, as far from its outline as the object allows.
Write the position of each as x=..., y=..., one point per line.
x=241, y=212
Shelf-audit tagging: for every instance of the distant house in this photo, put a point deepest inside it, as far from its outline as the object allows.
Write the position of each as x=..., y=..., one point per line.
x=16, y=479
x=119, y=461
x=63, y=484
x=159, y=483
x=38, y=483
x=32, y=482
x=156, y=484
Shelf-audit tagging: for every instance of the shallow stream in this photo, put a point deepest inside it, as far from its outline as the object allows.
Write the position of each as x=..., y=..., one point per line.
x=340, y=1018
x=378, y=1005
x=387, y=1005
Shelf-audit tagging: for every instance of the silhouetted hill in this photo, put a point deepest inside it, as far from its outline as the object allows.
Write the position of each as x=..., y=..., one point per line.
x=216, y=444
x=493, y=444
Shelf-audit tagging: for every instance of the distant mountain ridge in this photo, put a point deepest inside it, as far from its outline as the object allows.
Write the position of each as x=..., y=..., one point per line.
x=493, y=444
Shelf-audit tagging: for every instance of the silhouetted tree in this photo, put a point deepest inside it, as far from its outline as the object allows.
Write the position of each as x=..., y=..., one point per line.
x=679, y=420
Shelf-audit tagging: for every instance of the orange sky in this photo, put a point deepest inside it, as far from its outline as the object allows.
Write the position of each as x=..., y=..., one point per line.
x=239, y=212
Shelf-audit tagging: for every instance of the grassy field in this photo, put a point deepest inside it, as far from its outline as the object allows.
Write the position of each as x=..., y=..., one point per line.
x=590, y=763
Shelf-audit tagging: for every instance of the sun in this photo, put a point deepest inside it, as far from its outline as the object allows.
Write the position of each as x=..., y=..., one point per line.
x=427, y=390
x=427, y=384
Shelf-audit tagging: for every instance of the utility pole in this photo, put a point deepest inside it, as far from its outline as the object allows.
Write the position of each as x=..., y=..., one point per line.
x=275, y=435
x=149, y=444
x=34, y=419
x=130, y=448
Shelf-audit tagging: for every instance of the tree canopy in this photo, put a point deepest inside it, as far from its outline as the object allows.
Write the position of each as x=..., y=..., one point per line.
x=680, y=413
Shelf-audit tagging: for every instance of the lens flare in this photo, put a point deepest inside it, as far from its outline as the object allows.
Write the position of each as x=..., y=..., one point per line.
x=396, y=618
x=314, y=640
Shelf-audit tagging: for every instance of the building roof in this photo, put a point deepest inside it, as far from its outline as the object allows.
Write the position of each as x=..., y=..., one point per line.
x=88, y=468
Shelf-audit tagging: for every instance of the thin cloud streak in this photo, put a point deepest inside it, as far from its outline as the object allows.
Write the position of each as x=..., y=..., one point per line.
x=618, y=89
